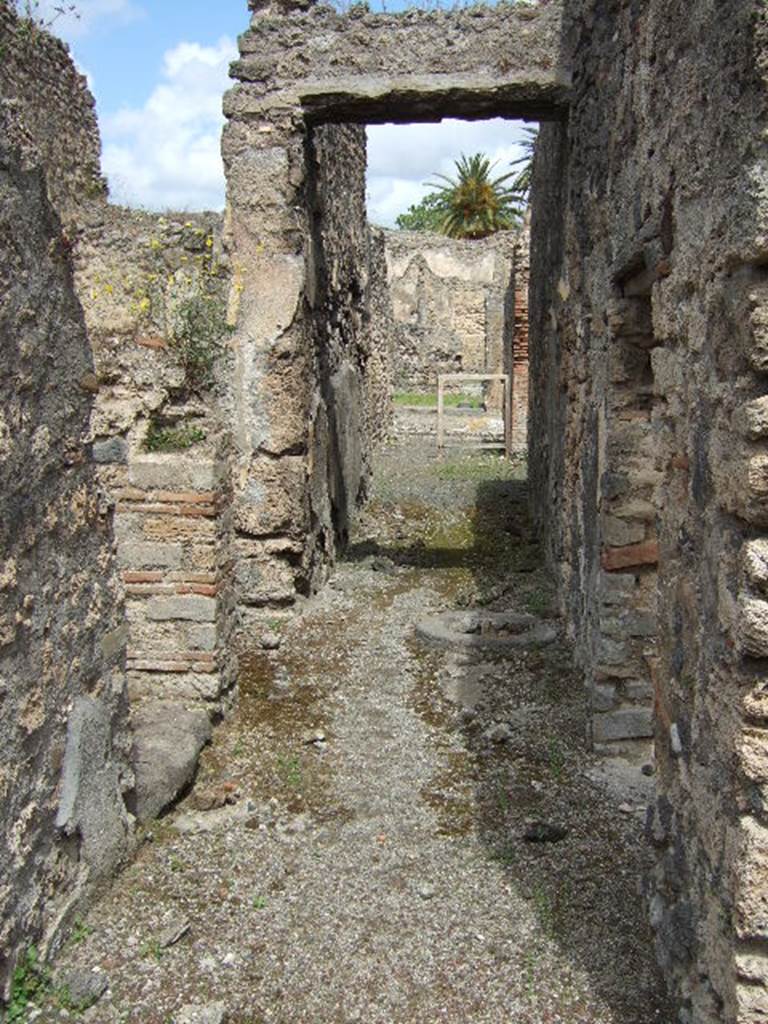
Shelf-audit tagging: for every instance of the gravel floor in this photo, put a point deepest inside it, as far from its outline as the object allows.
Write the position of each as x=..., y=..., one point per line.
x=355, y=846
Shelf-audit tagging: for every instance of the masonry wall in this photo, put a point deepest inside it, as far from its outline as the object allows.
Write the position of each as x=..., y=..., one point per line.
x=161, y=440
x=516, y=314
x=64, y=744
x=450, y=303
x=648, y=340
x=49, y=114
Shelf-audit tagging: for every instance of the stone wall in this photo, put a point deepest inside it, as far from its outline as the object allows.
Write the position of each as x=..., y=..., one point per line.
x=49, y=113
x=450, y=303
x=312, y=376
x=161, y=440
x=303, y=69
x=417, y=65
x=648, y=340
x=64, y=745
x=518, y=317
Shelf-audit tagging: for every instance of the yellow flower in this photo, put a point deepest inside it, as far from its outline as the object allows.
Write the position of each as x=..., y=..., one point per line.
x=209, y=242
x=144, y=305
x=155, y=243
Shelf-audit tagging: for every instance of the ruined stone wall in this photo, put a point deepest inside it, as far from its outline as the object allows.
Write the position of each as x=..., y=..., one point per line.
x=64, y=763
x=450, y=303
x=160, y=439
x=648, y=443
x=49, y=113
x=517, y=317
x=303, y=66
x=366, y=68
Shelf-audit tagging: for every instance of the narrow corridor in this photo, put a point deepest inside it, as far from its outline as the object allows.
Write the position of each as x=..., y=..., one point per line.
x=389, y=830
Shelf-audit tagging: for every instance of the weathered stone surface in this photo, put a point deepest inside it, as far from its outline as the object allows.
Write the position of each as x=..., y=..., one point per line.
x=616, y=559
x=755, y=562
x=753, y=627
x=173, y=473
x=622, y=724
x=90, y=799
x=189, y=607
x=656, y=403
x=61, y=655
x=167, y=740
x=751, y=419
x=113, y=450
x=444, y=295
x=49, y=116
x=209, y=1013
x=149, y=555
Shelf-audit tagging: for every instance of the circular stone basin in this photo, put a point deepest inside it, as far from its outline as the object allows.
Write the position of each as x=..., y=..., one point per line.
x=486, y=630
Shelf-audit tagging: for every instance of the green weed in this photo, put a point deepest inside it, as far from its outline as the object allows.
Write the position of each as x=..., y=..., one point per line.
x=290, y=771
x=172, y=439
x=29, y=984
x=80, y=931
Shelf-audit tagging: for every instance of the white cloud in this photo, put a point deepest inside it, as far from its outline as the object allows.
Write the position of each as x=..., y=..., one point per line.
x=166, y=153
x=74, y=19
x=402, y=159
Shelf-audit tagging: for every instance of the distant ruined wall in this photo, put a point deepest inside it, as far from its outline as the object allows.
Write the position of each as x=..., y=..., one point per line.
x=64, y=743
x=648, y=427
x=450, y=303
x=517, y=317
x=49, y=114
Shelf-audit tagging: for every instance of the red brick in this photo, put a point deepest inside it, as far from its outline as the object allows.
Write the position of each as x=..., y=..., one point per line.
x=142, y=577
x=645, y=553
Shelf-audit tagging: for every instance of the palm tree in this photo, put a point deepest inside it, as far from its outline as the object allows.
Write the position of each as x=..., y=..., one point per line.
x=475, y=204
x=522, y=181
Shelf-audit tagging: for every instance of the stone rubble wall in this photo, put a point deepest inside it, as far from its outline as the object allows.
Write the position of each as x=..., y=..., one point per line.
x=518, y=317
x=648, y=313
x=49, y=114
x=449, y=301
x=64, y=742
x=311, y=384
x=171, y=508
x=366, y=68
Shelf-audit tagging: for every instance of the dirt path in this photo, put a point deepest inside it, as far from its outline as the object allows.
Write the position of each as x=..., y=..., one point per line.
x=372, y=865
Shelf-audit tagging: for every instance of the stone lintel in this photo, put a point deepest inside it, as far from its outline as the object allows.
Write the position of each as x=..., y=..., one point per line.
x=414, y=98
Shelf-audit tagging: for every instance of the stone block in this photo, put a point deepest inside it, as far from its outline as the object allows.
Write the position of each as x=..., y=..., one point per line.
x=617, y=588
x=629, y=624
x=174, y=473
x=603, y=697
x=611, y=651
x=614, y=559
x=265, y=580
x=753, y=627
x=638, y=690
x=113, y=450
x=167, y=742
x=202, y=638
x=149, y=554
x=188, y=606
x=189, y=687
x=755, y=562
x=621, y=532
x=623, y=724
x=752, y=1001
x=752, y=895
x=113, y=643
x=90, y=801
x=751, y=419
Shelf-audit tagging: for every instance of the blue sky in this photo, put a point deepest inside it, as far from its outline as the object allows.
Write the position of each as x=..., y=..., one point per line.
x=158, y=69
